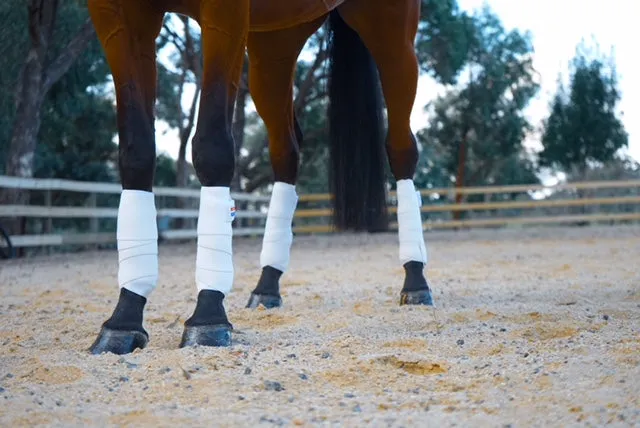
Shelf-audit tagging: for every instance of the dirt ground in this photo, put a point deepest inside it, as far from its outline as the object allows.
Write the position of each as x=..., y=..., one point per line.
x=533, y=327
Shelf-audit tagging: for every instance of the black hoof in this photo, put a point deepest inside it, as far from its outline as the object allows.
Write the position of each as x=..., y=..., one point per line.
x=266, y=300
x=267, y=292
x=118, y=341
x=419, y=297
x=206, y=335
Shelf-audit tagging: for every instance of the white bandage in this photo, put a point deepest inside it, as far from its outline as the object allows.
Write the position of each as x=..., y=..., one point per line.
x=214, y=257
x=137, y=236
x=410, y=232
x=278, y=236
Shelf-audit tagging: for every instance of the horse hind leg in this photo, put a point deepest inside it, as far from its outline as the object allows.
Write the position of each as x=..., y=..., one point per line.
x=127, y=33
x=388, y=30
x=225, y=25
x=272, y=59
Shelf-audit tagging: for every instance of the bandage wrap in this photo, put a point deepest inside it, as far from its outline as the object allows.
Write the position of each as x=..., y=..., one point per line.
x=214, y=258
x=410, y=233
x=278, y=236
x=137, y=236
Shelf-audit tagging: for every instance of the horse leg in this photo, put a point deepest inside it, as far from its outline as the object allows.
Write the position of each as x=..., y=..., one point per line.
x=225, y=25
x=127, y=32
x=272, y=62
x=388, y=30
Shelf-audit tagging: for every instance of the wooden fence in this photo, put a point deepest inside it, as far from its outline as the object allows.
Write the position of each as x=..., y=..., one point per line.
x=55, y=202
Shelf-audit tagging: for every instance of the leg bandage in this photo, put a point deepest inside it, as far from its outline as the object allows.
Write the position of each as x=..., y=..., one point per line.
x=137, y=236
x=410, y=233
x=214, y=257
x=278, y=236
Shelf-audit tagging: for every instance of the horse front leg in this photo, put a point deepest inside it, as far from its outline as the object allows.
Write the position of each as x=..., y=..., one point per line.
x=225, y=25
x=127, y=33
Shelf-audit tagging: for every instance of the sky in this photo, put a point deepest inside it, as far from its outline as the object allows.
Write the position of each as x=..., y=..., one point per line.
x=556, y=27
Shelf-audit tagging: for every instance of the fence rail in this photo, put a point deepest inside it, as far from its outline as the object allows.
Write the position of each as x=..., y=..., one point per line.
x=313, y=213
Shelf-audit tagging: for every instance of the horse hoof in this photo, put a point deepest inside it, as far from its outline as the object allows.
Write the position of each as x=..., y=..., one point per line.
x=206, y=335
x=118, y=341
x=266, y=300
x=419, y=297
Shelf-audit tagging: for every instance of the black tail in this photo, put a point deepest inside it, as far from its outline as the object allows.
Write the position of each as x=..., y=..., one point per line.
x=358, y=157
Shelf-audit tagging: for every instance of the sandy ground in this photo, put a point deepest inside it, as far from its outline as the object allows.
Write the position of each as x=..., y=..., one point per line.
x=533, y=327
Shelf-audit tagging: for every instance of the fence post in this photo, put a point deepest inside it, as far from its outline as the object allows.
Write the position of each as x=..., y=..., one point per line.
x=48, y=223
x=94, y=222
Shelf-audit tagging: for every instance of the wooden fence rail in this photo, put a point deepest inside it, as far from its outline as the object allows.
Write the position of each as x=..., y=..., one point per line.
x=313, y=213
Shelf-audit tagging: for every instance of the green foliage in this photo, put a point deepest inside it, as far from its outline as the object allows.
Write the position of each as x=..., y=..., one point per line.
x=77, y=138
x=444, y=39
x=583, y=126
x=14, y=41
x=79, y=121
x=78, y=117
x=166, y=172
x=479, y=127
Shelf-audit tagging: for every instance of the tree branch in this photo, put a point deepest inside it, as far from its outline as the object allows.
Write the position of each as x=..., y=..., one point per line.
x=72, y=51
x=309, y=79
x=173, y=37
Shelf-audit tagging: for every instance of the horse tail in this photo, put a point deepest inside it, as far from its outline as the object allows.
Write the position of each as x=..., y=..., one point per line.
x=357, y=151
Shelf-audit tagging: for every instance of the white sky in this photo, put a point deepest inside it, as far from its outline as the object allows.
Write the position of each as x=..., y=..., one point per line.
x=557, y=27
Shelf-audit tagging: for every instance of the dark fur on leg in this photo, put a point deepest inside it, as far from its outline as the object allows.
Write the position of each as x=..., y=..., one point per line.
x=208, y=326
x=137, y=146
x=123, y=332
x=267, y=292
x=212, y=146
x=416, y=290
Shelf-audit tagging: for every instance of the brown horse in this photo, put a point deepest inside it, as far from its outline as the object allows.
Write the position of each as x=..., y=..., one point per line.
x=372, y=43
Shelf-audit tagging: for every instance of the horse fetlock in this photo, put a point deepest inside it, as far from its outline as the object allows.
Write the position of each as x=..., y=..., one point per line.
x=137, y=237
x=214, y=256
x=278, y=235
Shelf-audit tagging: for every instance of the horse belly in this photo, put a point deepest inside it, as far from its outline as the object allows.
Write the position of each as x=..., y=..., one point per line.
x=269, y=15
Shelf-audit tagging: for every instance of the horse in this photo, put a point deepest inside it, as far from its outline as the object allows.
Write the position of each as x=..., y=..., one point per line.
x=372, y=62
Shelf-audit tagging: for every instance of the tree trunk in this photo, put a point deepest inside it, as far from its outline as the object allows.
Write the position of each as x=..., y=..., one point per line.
x=181, y=179
x=191, y=59
x=238, y=132
x=34, y=83
x=462, y=164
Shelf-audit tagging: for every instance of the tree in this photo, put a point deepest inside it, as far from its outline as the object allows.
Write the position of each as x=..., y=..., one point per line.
x=76, y=136
x=49, y=56
x=583, y=126
x=43, y=67
x=174, y=83
x=478, y=127
x=444, y=39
